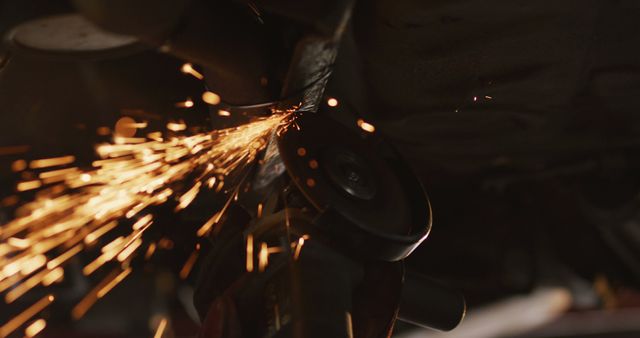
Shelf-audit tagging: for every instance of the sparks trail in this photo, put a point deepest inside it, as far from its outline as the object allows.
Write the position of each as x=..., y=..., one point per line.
x=77, y=207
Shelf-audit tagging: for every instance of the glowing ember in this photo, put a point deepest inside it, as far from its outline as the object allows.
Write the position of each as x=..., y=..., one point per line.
x=332, y=102
x=20, y=319
x=19, y=165
x=75, y=208
x=160, y=329
x=211, y=98
x=103, y=131
x=311, y=182
x=249, y=253
x=28, y=185
x=188, y=103
x=124, y=127
x=51, y=162
x=263, y=257
x=34, y=328
x=368, y=127
x=176, y=126
x=298, y=246
x=187, y=68
x=112, y=283
x=188, y=265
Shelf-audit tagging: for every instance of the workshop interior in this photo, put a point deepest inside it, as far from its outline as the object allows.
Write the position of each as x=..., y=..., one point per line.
x=320, y=168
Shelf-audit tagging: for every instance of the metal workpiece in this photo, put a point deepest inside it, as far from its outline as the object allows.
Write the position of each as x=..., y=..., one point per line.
x=310, y=290
x=315, y=53
x=309, y=72
x=326, y=18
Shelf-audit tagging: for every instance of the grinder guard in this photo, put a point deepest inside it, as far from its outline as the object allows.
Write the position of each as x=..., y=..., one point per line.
x=346, y=280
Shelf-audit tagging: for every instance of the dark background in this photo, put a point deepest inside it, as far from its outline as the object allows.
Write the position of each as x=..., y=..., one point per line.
x=519, y=117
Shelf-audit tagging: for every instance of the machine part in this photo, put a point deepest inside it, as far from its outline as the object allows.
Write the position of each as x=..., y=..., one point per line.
x=320, y=292
x=514, y=317
x=309, y=71
x=348, y=278
x=363, y=193
x=429, y=304
x=272, y=166
x=251, y=53
x=315, y=294
x=59, y=78
x=70, y=35
x=619, y=228
x=327, y=18
x=360, y=203
x=235, y=50
x=376, y=300
x=315, y=52
x=308, y=296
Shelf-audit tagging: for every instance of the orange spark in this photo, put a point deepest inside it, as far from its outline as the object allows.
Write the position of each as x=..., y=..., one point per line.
x=35, y=328
x=160, y=329
x=187, y=68
x=28, y=185
x=131, y=176
x=150, y=250
x=19, y=165
x=188, y=265
x=20, y=319
x=50, y=162
x=368, y=127
x=211, y=98
x=125, y=127
x=112, y=283
x=188, y=103
x=299, y=245
x=263, y=257
x=103, y=131
x=250, y=253
x=259, y=212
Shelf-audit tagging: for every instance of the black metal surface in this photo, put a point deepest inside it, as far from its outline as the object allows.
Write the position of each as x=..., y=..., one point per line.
x=350, y=172
x=390, y=222
x=428, y=303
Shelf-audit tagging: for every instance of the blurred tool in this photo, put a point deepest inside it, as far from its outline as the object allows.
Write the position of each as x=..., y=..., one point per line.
x=330, y=213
